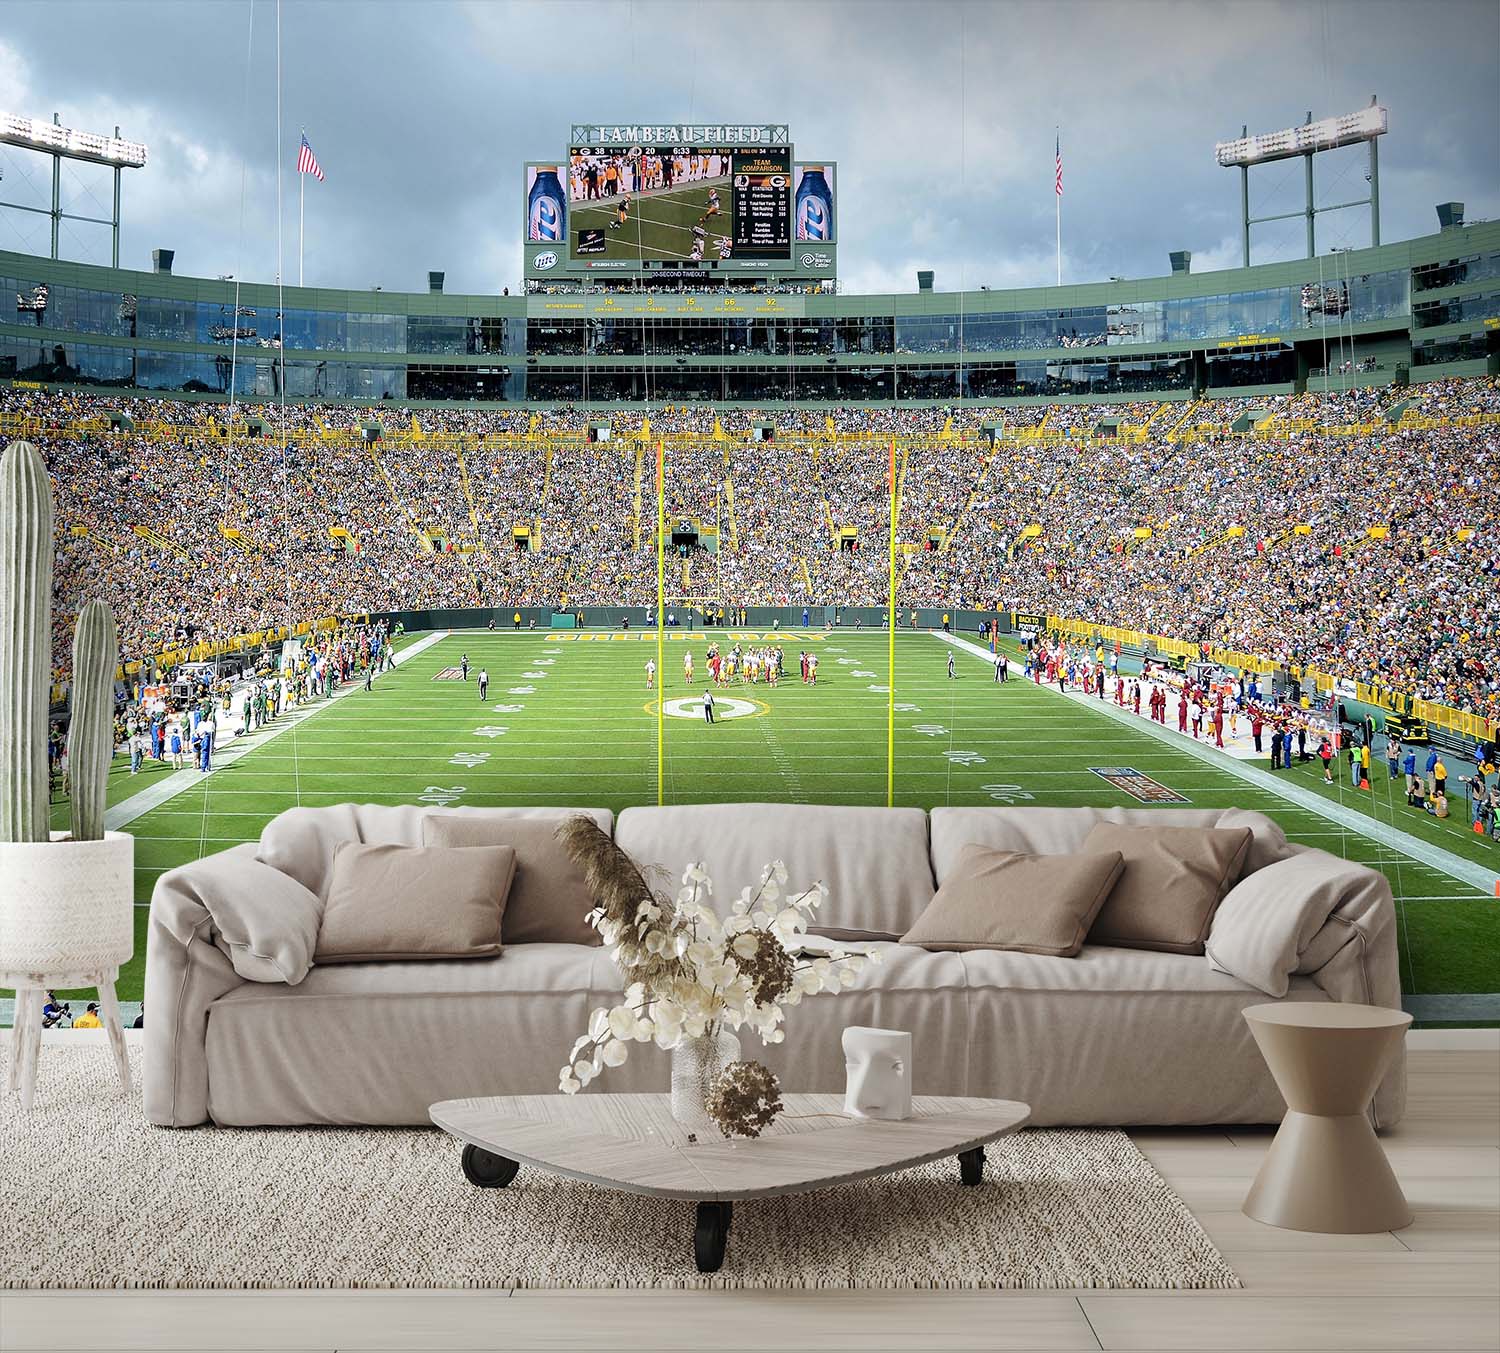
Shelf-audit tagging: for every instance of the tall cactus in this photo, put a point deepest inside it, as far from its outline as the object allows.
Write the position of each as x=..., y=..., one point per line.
x=91, y=735
x=25, y=642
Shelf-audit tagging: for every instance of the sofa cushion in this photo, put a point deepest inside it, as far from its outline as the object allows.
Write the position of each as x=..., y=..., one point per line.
x=549, y=898
x=409, y=902
x=874, y=860
x=1118, y=1036
x=1173, y=881
x=1060, y=831
x=1002, y=899
x=301, y=841
x=1113, y=1036
x=378, y=1042
x=1264, y=928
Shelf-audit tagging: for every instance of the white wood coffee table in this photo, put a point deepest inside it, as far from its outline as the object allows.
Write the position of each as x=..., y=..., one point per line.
x=632, y=1143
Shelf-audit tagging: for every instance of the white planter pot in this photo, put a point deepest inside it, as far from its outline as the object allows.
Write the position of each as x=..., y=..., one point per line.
x=67, y=906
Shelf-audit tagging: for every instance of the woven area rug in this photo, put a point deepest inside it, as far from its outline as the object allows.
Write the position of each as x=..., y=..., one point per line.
x=96, y=1198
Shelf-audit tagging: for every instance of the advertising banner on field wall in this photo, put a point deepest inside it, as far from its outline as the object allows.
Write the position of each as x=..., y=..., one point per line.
x=637, y=618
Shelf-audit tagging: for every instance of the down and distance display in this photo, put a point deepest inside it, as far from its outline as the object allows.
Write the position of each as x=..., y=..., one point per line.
x=692, y=203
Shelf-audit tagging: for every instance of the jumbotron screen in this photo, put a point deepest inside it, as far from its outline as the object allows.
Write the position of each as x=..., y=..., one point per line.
x=677, y=203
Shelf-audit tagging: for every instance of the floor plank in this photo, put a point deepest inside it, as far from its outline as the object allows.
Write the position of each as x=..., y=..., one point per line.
x=1383, y=1274
x=1274, y=1323
x=1439, y=1127
x=381, y=1321
x=1473, y=1232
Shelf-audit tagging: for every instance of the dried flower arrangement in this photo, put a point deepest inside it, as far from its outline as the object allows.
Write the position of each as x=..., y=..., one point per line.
x=744, y=1098
x=689, y=973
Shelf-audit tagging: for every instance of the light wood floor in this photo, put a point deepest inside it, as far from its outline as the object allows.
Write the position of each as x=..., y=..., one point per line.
x=1433, y=1286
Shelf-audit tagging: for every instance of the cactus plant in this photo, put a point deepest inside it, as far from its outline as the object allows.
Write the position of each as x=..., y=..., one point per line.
x=91, y=734
x=25, y=642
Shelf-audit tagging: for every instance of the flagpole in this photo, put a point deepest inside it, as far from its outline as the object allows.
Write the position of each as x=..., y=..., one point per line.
x=661, y=588
x=1057, y=202
x=301, y=204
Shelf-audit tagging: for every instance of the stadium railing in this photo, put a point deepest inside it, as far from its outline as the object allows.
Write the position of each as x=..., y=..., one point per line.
x=1436, y=715
x=207, y=650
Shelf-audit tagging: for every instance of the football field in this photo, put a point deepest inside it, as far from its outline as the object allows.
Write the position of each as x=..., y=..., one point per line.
x=568, y=721
x=661, y=223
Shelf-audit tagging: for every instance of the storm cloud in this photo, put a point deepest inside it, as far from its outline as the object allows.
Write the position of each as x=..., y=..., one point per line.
x=941, y=117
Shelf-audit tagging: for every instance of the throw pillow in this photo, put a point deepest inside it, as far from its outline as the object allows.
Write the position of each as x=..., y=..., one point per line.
x=549, y=897
x=1002, y=899
x=414, y=902
x=1173, y=881
x=265, y=921
x=1267, y=923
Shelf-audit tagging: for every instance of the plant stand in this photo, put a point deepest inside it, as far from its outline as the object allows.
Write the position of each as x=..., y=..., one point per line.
x=26, y=1037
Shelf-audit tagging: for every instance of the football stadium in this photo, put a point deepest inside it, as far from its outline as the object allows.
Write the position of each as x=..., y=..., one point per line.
x=310, y=591
x=1203, y=508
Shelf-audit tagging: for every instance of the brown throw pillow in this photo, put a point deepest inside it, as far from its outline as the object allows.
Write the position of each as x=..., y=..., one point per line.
x=414, y=902
x=549, y=897
x=1173, y=882
x=1002, y=899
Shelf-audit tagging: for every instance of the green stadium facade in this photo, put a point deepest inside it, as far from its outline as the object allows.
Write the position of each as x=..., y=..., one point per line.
x=1416, y=310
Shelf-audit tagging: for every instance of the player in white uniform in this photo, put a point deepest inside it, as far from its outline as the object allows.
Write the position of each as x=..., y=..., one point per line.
x=725, y=246
x=650, y=673
x=687, y=667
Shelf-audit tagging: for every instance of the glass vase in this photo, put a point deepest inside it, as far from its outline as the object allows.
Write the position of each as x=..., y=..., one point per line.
x=695, y=1063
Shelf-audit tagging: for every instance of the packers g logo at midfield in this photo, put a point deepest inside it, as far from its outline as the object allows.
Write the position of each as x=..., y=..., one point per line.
x=725, y=707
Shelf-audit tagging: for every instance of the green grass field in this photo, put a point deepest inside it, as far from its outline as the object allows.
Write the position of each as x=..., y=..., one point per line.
x=661, y=224
x=568, y=721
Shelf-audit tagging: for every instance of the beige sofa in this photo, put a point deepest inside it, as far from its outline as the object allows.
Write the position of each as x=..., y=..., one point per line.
x=239, y=1031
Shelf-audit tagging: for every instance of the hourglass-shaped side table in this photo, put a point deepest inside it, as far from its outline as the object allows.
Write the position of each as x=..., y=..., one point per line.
x=1326, y=1170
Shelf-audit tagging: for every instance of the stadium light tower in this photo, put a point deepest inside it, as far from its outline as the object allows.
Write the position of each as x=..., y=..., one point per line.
x=1311, y=138
x=66, y=143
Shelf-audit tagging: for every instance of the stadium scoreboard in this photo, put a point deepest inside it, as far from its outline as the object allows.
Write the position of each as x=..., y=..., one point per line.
x=680, y=202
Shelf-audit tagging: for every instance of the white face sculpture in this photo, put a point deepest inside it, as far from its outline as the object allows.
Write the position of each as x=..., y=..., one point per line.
x=878, y=1064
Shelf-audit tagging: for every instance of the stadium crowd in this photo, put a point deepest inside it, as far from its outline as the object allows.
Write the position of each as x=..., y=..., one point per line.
x=1371, y=554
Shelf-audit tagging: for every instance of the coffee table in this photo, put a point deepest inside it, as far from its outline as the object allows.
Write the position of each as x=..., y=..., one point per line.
x=632, y=1143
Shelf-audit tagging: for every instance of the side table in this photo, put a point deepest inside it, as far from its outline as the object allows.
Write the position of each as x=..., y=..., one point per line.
x=1326, y=1170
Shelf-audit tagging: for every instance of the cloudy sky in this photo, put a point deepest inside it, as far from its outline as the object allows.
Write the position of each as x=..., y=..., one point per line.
x=940, y=114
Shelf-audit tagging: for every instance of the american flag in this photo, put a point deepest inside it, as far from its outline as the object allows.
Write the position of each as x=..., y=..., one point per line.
x=1058, y=180
x=307, y=163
